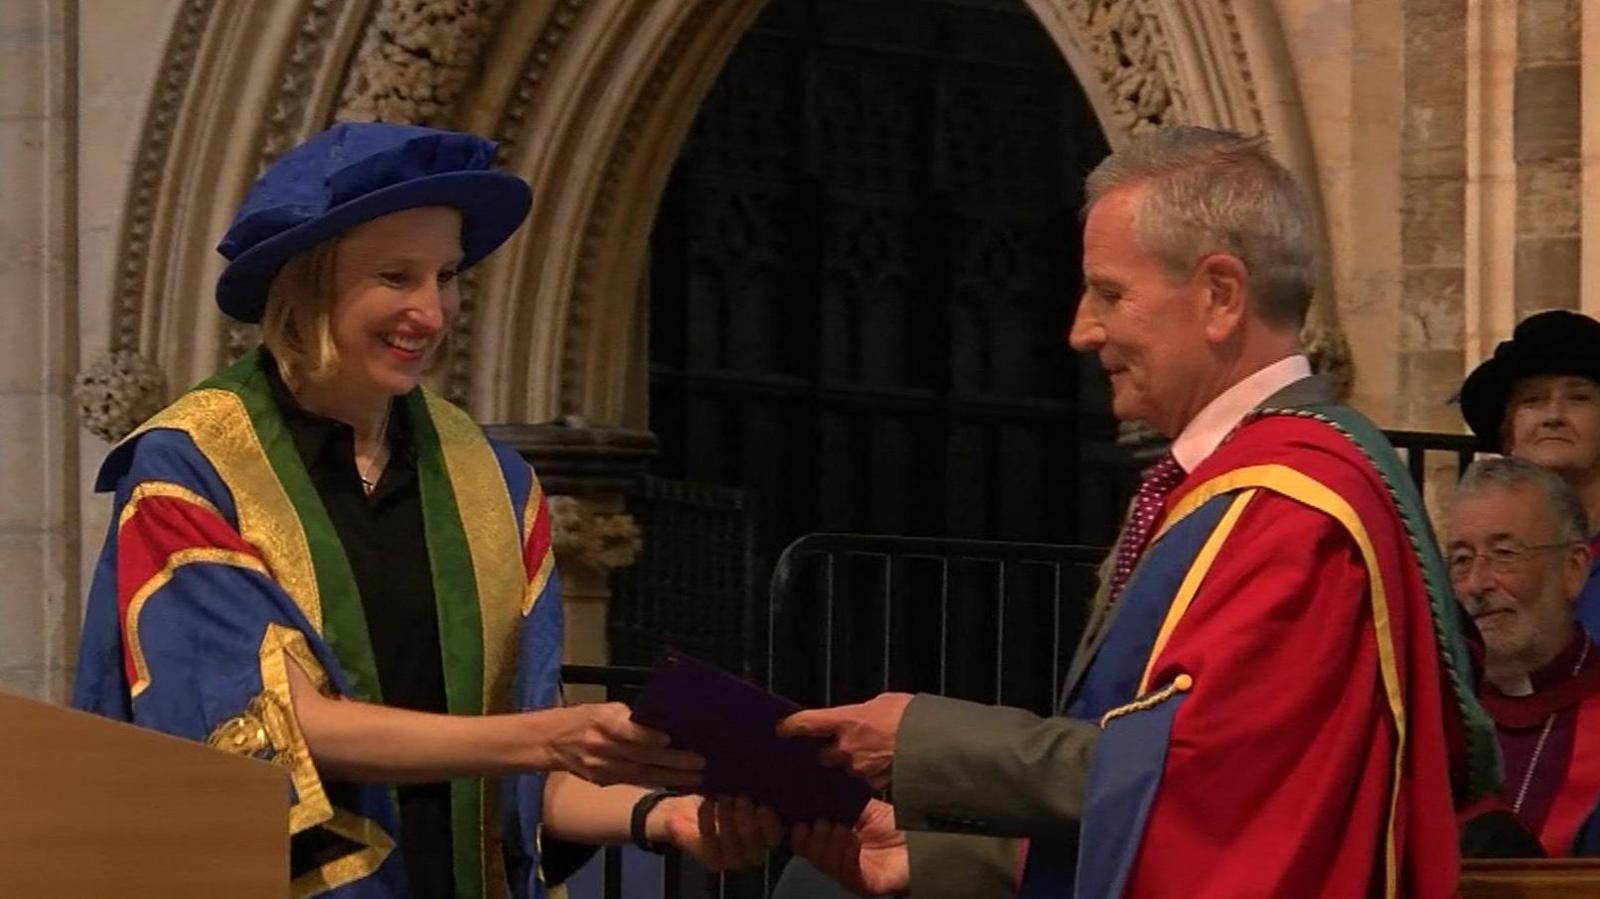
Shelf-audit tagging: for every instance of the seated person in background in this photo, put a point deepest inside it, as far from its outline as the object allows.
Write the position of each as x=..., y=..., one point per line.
x=1517, y=552
x=1538, y=398
x=316, y=562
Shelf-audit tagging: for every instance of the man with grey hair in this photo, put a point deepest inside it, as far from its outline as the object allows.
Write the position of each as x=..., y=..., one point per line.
x=1517, y=547
x=1258, y=706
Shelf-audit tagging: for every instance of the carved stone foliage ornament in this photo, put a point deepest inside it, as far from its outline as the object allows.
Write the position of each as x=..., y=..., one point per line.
x=416, y=59
x=122, y=388
x=117, y=393
x=592, y=535
x=1330, y=355
x=1131, y=58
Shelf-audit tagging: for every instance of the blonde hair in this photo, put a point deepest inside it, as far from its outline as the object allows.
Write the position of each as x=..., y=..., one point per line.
x=297, y=324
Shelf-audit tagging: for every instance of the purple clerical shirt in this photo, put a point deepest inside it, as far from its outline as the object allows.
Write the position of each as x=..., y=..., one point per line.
x=1520, y=722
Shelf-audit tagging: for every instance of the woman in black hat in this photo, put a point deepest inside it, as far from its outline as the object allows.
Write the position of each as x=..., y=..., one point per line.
x=317, y=562
x=1538, y=398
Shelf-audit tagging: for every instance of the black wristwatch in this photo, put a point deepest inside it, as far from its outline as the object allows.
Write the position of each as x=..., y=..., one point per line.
x=641, y=810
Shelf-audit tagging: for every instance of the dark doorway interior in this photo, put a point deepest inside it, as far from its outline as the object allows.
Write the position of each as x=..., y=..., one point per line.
x=861, y=274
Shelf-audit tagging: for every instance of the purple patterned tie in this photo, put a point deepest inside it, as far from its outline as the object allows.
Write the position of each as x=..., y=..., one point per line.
x=1154, y=484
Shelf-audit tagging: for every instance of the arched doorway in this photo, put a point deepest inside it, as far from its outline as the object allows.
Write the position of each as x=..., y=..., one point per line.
x=861, y=271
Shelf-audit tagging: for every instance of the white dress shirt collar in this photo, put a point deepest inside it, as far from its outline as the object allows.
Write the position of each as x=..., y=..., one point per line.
x=1206, y=431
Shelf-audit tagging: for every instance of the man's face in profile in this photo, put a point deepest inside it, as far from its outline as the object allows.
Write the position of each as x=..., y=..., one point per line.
x=1145, y=327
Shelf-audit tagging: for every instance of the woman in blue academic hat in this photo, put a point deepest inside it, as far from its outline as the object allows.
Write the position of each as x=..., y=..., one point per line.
x=316, y=561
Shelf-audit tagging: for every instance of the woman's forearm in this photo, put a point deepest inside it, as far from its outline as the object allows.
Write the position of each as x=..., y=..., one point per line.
x=582, y=812
x=363, y=742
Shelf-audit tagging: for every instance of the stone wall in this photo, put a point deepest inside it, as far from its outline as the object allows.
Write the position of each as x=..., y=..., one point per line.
x=1548, y=124
x=1433, y=172
x=38, y=457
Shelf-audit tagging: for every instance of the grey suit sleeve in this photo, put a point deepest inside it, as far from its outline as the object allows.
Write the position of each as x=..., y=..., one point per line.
x=958, y=866
x=990, y=770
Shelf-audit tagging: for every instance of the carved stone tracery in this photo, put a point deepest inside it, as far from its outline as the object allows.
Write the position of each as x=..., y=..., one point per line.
x=636, y=75
x=1132, y=61
x=105, y=401
x=513, y=117
x=576, y=349
x=171, y=89
x=290, y=117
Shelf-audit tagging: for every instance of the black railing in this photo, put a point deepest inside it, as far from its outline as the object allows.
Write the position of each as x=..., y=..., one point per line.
x=974, y=634
x=1418, y=448
x=852, y=615
x=621, y=683
x=676, y=877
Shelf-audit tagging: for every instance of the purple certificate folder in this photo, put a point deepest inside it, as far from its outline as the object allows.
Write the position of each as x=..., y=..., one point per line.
x=734, y=725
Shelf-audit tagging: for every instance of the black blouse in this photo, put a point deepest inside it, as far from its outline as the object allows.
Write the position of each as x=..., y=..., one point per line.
x=384, y=539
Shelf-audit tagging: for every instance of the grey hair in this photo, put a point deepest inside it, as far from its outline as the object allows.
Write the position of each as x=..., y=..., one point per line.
x=1219, y=192
x=1561, y=501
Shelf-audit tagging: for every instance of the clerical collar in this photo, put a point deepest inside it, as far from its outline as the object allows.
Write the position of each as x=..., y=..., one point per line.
x=1555, y=688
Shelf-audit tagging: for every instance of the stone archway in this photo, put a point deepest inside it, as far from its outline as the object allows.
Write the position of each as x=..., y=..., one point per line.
x=590, y=100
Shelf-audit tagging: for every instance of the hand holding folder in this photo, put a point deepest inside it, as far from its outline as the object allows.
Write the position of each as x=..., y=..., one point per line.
x=733, y=724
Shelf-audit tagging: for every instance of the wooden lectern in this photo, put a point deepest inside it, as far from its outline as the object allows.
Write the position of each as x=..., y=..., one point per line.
x=91, y=807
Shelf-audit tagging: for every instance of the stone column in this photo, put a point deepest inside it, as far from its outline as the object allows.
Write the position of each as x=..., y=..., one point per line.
x=1589, y=36
x=1549, y=114
x=1491, y=241
x=1433, y=177
x=587, y=472
x=38, y=254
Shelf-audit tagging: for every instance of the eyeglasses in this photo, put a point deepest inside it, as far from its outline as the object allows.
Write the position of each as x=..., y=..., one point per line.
x=1504, y=559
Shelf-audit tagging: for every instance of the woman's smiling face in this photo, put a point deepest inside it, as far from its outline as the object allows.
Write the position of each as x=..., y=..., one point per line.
x=395, y=295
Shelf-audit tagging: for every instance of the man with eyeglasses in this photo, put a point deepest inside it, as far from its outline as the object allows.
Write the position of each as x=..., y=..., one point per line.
x=1538, y=398
x=1517, y=552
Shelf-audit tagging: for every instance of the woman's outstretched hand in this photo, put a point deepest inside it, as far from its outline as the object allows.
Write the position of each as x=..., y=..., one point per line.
x=601, y=744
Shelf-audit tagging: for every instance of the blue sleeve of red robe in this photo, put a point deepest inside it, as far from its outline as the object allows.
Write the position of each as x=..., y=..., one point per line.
x=1284, y=743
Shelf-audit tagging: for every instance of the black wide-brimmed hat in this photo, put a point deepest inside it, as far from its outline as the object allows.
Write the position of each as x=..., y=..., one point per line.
x=1558, y=342
x=353, y=173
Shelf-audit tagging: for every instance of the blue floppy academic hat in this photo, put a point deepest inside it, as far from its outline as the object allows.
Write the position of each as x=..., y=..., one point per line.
x=353, y=173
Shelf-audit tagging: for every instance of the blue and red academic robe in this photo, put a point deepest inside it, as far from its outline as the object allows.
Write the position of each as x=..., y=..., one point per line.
x=1550, y=740
x=1286, y=699
x=1587, y=609
x=222, y=568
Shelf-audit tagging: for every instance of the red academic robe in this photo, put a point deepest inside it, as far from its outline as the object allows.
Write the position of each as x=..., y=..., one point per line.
x=1556, y=770
x=1310, y=755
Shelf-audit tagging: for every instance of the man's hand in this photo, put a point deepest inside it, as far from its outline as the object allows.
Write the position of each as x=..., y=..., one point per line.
x=601, y=744
x=721, y=834
x=869, y=859
x=863, y=734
